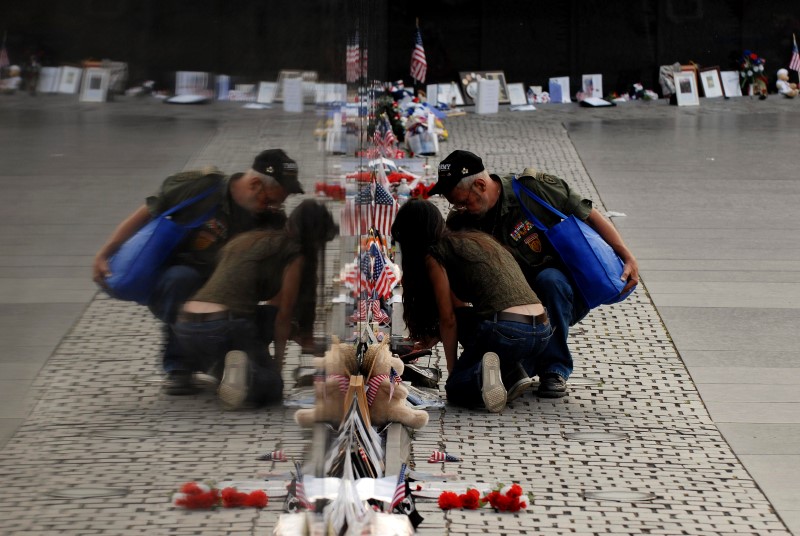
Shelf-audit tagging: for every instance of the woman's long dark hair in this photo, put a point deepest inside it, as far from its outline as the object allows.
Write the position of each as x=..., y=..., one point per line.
x=418, y=226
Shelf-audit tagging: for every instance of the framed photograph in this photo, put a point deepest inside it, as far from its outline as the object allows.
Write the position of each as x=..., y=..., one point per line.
x=730, y=83
x=686, y=87
x=711, y=82
x=94, y=86
x=592, y=85
x=69, y=80
x=469, y=84
x=559, y=90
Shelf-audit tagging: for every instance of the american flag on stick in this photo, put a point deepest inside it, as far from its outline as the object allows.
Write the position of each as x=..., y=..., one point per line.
x=384, y=137
x=299, y=488
x=439, y=456
x=794, y=63
x=385, y=211
x=400, y=490
x=419, y=65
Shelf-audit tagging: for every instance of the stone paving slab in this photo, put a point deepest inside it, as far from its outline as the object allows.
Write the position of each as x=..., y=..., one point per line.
x=628, y=380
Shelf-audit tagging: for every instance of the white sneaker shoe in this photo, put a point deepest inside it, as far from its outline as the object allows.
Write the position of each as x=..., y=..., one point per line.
x=493, y=391
x=232, y=390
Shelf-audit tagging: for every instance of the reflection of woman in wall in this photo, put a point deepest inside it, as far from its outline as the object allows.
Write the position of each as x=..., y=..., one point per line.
x=223, y=321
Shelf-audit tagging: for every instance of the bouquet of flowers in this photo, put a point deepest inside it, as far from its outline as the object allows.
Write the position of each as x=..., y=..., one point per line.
x=751, y=74
x=501, y=498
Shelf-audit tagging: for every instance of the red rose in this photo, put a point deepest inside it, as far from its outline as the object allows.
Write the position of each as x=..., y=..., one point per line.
x=471, y=500
x=191, y=488
x=232, y=498
x=256, y=499
x=515, y=491
x=449, y=500
x=197, y=501
x=753, y=56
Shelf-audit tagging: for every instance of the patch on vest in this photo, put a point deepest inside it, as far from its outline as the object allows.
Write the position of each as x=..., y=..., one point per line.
x=544, y=177
x=520, y=230
x=212, y=232
x=533, y=242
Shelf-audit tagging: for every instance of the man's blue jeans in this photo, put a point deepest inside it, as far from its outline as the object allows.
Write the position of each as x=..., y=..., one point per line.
x=513, y=342
x=175, y=286
x=205, y=344
x=566, y=308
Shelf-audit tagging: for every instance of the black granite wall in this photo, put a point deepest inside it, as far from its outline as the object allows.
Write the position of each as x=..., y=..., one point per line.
x=529, y=40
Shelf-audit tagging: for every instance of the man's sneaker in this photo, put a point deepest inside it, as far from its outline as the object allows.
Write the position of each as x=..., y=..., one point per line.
x=494, y=394
x=552, y=385
x=179, y=383
x=233, y=387
x=517, y=380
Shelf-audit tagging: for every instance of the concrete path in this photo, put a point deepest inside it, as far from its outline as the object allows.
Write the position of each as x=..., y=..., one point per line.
x=94, y=416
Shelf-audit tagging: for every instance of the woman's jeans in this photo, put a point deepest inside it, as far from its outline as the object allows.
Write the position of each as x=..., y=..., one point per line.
x=204, y=345
x=514, y=342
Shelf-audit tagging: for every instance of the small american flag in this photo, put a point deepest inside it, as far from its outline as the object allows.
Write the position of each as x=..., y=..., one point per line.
x=274, y=456
x=400, y=490
x=394, y=378
x=385, y=211
x=439, y=456
x=299, y=488
x=794, y=63
x=384, y=137
x=352, y=59
x=419, y=65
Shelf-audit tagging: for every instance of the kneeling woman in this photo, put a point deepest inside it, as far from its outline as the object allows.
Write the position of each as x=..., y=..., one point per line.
x=444, y=271
x=221, y=322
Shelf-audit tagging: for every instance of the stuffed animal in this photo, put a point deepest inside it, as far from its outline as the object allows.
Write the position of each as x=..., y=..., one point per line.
x=784, y=87
x=338, y=363
x=387, y=404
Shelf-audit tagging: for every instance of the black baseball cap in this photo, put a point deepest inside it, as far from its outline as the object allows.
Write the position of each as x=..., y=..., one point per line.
x=458, y=165
x=278, y=165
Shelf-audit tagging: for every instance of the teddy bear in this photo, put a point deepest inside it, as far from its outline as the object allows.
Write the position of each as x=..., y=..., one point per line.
x=784, y=87
x=385, y=404
x=339, y=363
x=388, y=404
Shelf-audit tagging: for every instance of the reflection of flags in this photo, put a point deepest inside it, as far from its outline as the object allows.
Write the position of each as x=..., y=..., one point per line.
x=400, y=490
x=352, y=59
x=373, y=305
x=419, y=66
x=794, y=63
x=356, y=213
x=4, y=58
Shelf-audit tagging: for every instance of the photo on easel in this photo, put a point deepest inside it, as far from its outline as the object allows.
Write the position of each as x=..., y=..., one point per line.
x=469, y=84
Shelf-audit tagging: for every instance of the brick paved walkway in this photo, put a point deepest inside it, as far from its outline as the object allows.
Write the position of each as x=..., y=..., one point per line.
x=101, y=420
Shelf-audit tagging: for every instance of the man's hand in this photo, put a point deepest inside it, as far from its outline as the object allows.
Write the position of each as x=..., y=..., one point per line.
x=630, y=273
x=100, y=271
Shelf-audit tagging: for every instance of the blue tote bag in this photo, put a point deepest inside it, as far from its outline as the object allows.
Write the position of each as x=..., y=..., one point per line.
x=593, y=264
x=136, y=265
